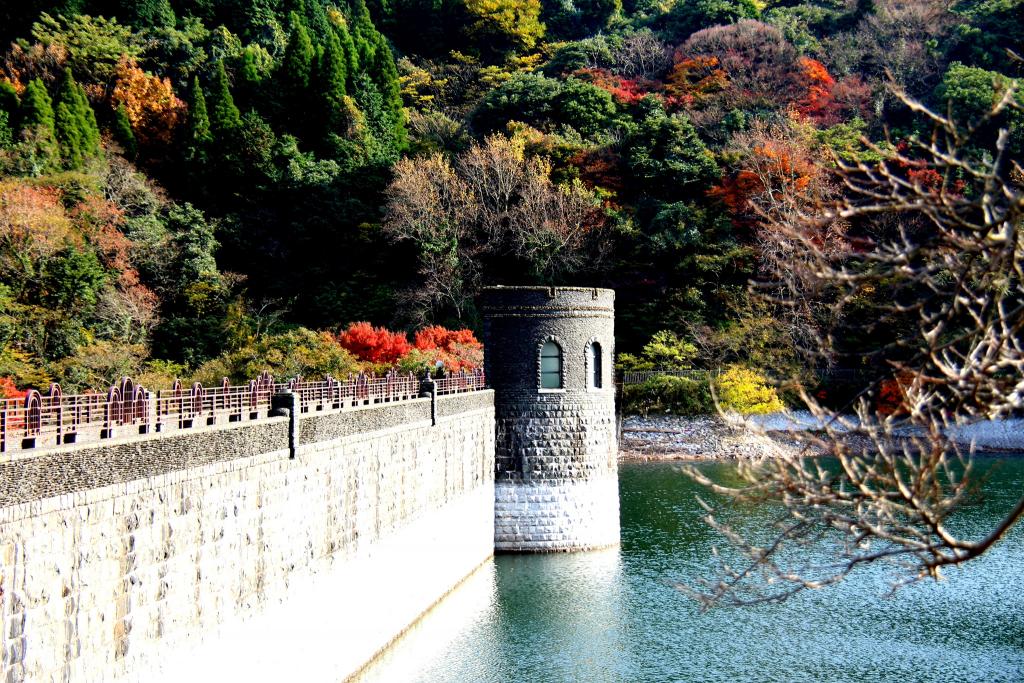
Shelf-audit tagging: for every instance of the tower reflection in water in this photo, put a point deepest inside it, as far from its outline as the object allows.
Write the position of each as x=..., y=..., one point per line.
x=570, y=601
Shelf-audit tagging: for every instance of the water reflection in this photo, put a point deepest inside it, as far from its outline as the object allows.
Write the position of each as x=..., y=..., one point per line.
x=614, y=615
x=469, y=609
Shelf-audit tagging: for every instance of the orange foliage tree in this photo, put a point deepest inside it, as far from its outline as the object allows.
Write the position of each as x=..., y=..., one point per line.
x=455, y=349
x=694, y=79
x=153, y=109
x=374, y=344
x=33, y=226
x=819, y=88
x=9, y=390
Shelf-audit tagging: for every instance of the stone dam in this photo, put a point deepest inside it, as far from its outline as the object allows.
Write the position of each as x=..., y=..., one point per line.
x=303, y=540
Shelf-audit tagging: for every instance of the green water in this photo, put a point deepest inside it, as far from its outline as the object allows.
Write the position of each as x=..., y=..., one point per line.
x=614, y=615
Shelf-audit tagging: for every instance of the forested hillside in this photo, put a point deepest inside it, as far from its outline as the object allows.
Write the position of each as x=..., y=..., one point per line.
x=186, y=182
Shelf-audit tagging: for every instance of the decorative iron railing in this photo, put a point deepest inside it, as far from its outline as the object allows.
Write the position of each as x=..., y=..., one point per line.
x=641, y=376
x=42, y=420
x=460, y=382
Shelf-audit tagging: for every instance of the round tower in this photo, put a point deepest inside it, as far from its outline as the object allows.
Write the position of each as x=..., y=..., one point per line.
x=548, y=356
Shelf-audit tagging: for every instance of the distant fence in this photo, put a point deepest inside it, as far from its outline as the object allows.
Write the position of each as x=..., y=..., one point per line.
x=831, y=374
x=641, y=376
x=44, y=420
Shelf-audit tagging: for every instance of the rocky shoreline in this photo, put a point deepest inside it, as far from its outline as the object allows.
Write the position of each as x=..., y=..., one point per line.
x=712, y=437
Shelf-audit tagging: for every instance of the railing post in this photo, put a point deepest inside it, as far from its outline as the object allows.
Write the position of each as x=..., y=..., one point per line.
x=428, y=389
x=287, y=404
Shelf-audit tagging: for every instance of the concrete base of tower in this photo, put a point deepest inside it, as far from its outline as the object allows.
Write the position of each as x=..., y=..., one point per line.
x=560, y=516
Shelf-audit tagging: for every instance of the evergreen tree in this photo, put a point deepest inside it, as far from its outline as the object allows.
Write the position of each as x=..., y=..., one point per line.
x=9, y=102
x=88, y=125
x=385, y=75
x=363, y=34
x=37, y=108
x=69, y=135
x=297, y=66
x=349, y=49
x=249, y=72
x=224, y=115
x=198, y=120
x=124, y=134
x=6, y=132
x=331, y=88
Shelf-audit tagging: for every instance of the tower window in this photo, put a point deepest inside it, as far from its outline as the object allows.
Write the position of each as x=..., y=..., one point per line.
x=551, y=366
x=594, y=364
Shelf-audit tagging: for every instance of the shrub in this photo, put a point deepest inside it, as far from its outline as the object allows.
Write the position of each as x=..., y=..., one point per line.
x=297, y=353
x=667, y=394
x=746, y=391
x=9, y=390
x=454, y=349
x=374, y=344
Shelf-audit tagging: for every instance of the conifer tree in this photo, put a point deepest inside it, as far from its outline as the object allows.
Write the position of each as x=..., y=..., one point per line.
x=124, y=134
x=9, y=105
x=37, y=108
x=385, y=75
x=87, y=122
x=224, y=115
x=297, y=67
x=37, y=122
x=198, y=119
x=349, y=49
x=9, y=102
x=75, y=124
x=363, y=34
x=68, y=131
x=331, y=88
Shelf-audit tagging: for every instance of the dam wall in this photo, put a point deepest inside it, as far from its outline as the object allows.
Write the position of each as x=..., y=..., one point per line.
x=285, y=547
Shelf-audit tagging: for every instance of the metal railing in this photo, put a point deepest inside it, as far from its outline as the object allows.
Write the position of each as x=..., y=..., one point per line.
x=46, y=420
x=460, y=382
x=641, y=376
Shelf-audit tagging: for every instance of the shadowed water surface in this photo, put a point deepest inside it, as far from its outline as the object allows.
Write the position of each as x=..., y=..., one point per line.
x=614, y=615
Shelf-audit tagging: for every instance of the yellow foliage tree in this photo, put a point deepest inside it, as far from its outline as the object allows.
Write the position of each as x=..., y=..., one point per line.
x=746, y=391
x=153, y=109
x=514, y=24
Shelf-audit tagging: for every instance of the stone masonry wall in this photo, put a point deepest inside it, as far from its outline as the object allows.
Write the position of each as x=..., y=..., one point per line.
x=556, y=477
x=215, y=556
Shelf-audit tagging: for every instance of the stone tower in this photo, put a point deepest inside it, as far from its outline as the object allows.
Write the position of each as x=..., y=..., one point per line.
x=549, y=354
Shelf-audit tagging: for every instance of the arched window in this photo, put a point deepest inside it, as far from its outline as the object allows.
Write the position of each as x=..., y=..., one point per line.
x=551, y=366
x=594, y=365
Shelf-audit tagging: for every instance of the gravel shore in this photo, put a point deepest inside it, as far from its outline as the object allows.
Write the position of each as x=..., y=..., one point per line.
x=711, y=437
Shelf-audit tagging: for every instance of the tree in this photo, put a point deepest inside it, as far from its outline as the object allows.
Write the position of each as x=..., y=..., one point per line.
x=150, y=103
x=971, y=93
x=385, y=74
x=940, y=264
x=224, y=115
x=37, y=108
x=665, y=153
x=94, y=45
x=332, y=76
x=687, y=17
x=123, y=133
x=494, y=203
x=75, y=124
x=297, y=64
x=374, y=344
x=199, y=136
x=525, y=97
x=348, y=48
x=505, y=25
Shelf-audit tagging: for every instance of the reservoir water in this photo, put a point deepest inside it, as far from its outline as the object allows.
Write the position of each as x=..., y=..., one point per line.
x=616, y=616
